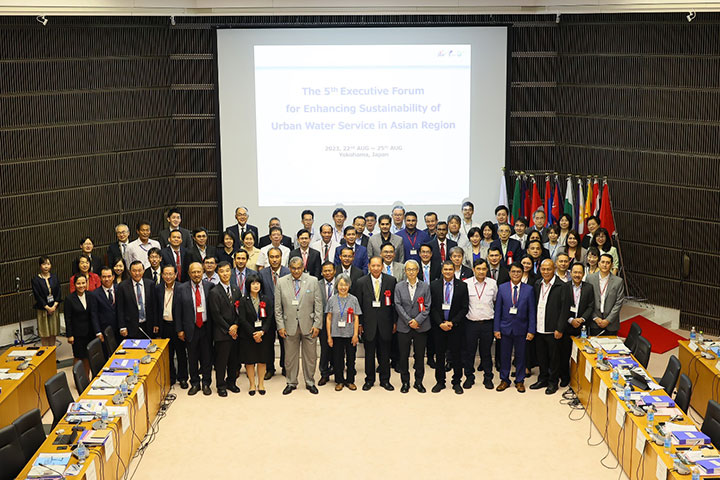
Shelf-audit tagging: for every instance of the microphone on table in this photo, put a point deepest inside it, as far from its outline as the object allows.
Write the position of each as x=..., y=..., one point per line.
x=151, y=348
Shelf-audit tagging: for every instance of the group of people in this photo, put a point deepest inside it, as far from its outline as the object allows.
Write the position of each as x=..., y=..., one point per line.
x=449, y=291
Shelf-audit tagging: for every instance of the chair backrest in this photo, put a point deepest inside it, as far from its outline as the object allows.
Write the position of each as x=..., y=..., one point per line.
x=684, y=391
x=30, y=431
x=80, y=376
x=96, y=357
x=670, y=377
x=642, y=351
x=110, y=340
x=631, y=339
x=12, y=459
x=58, y=395
x=711, y=424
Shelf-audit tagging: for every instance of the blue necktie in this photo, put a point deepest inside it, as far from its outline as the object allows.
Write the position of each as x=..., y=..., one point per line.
x=447, y=299
x=426, y=274
x=141, y=303
x=389, y=271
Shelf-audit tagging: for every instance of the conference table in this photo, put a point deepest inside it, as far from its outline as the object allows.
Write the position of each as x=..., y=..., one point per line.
x=21, y=395
x=128, y=423
x=703, y=372
x=623, y=432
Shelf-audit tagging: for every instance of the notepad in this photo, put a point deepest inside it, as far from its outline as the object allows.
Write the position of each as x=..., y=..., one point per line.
x=94, y=437
x=49, y=465
x=709, y=467
x=21, y=353
x=124, y=363
x=11, y=376
x=141, y=344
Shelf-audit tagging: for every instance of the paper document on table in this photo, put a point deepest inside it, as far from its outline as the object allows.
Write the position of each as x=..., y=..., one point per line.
x=668, y=411
x=102, y=391
x=11, y=376
x=108, y=380
x=21, y=353
x=676, y=427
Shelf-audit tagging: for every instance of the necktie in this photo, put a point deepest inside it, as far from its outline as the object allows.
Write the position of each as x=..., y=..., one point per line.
x=177, y=263
x=442, y=251
x=304, y=258
x=426, y=273
x=515, y=295
x=155, y=277
x=376, y=282
x=123, y=245
x=198, y=303
x=275, y=277
x=110, y=296
x=389, y=270
x=297, y=287
x=229, y=294
x=494, y=273
x=447, y=299
x=329, y=291
x=141, y=303
x=326, y=252
x=242, y=282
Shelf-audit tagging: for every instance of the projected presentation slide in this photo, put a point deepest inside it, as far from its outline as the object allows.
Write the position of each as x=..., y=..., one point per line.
x=381, y=108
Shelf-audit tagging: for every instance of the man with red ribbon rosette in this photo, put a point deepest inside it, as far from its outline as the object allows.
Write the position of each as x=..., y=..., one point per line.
x=226, y=319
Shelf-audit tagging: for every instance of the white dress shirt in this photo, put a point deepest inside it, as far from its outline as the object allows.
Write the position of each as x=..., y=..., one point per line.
x=137, y=250
x=542, y=303
x=482, y=296
x=263, y=259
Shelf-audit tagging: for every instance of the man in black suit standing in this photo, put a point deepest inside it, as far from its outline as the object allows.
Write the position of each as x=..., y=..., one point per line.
x=461, y=271
x=264, y=241
x=309, y=256
x=447, y=312
x=577, y=309
x=174, y=218
x=167, y=307
x=347, y=256
x=359, y=224
x=239, y=274
x=509, y=247
x=327, y=287
x=431, y=220
x=103, y=313
x=441, y=244
x=134, y=303
x=378, y=321
x=238, y=230
x=429, y=265
x=496, y=269
x=194, y=327
x=154, y=272
x=225, y=318
x=177, y=256
x=550, y=326
x=116, y=249
x=199, y=249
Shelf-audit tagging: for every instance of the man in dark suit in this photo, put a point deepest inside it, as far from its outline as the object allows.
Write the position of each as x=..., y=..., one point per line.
x=238, y=230
x=240, y=273
x=167, y=307
x=347, y=257
x=199, y=248
x=359, y=224
x=514, y=325
x=447, y=312
x=154, y=271
x=174, y=218
x=496, y=269
x=609, y=292
x=461, y=271
x=225, y=321
x=194, y=327
x=375, y=293
x=577, y=310
x=441, y=244
x=502, y=215
x=550, y=327
x=539, y=225
x=103, y=313
x=509, y=247
x=177, y=256
x=429, y=266
x=431, y=220
x=360, y=257
x=116, y=249
x=135, y=300
x=327, y=285
x=309, y=256
x=275, y=223
x=269, y=277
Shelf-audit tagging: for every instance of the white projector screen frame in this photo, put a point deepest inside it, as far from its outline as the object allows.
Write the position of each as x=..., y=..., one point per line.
x=237, y=107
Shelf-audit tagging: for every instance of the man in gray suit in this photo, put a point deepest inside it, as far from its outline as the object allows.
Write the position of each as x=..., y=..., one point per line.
x=299, y=316
x=391, y=267
x=269, y=277
x=609, y=297
x=376, y=242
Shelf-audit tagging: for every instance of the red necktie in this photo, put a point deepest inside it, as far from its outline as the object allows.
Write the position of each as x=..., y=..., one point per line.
x=177, y=263
x=198, y=304
x=304, y=258
x=442, y=251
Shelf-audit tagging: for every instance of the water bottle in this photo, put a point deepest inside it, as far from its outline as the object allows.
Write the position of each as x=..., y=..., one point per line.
x=136, y=368
x=651, y=418
x=600, y=355
x=696, y=473
x=81, y=451
x=700, y=338
x=104, y=414
x=667, y=444
x=693, y=335
x=626, y=392
x=615, y=375
x=124, y=388
x=583, y=332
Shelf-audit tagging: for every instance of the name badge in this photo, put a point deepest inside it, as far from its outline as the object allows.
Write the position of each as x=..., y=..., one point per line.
x=258, y=323
x=200, y=309
x=446, y=306
x=50, y=299
x=413, y=252
x=342, y=323
x=573, y=309
x=376, y=303
x=296, y=302
x=513, y=311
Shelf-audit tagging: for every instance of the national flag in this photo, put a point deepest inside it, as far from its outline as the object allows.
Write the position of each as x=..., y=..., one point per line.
x=536, y=202
x=556, y=213
x=569, y=207
x=548, y=201
x=503, y=199
x=596, y=198
x=528, y=200
x=588, y=202
x=515, y=214
x=606, y=215
x=580, y=220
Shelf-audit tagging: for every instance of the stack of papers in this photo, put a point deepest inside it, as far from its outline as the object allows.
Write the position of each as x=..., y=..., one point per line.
x=690, y=438
x=94, y=437
x=86, y=407
x=657, y=400
x=628, y=362
x=11, y=376
x=710, y=466
x=124, y=363
x=141, y=344
x=49, y=465
x=21, y=353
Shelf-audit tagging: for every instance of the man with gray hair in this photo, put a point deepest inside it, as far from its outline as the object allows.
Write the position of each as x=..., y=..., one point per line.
x=116, y=250
x=299, y=316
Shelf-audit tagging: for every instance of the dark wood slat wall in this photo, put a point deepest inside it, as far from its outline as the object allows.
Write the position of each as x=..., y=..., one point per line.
x=112, y=119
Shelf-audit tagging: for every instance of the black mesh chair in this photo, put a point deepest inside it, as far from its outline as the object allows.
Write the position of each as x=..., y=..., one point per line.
x=80, y=377
x=670, y=377
x=30, y=431
x=12, y=460
x=58, y=395
x=642, y=351
x=110, y=341
x=96, y=356
x=684, y=391
x=631, y=340
x=711, y=424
